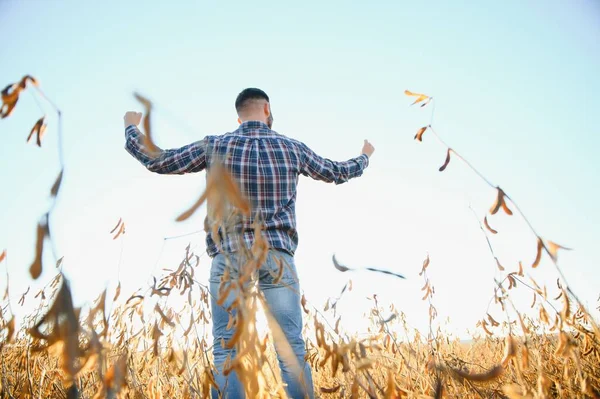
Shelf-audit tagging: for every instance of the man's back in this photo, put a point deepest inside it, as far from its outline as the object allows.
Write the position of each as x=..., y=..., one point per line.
x=266, y=166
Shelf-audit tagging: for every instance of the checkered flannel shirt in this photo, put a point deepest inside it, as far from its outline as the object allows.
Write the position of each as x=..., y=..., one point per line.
x=265, y=164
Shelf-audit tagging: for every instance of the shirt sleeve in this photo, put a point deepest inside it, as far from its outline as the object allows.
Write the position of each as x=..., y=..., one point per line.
x=187, y=159
x=326, y=170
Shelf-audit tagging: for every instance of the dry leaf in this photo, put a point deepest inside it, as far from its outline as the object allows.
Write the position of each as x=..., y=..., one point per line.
x=339, y=266
x=491, y=374
x=121, y=231
x=303, y=303
x=156, y=334
x=438, y=392
x=514, y=391
x=230, y=188
x=114, y=379
x=538, y=255
x=506, y=208
x=372, y=269
x=118, y=224
x=419, y=135
x=500, y=267
x=493, y=321
x=10, y=326
x=184, y=363
x=534, y=299
x=147, y=138
x=118, y=292
x=3, y=255
x=523, y=326
x=134, y=297
x=427, y=294
x=484, y=326
x=510, y=350
x=560, y=294
x=22, y=300
x=40, y=293
x=410, y=93
x=10, y=95
x=330, y=390
x=61, y=325
x=36, y=267
x=163, y=316
x=185, y=215
x=425, y=264
x=520, y=273
x=38, y=129
x=27, y=78
x=447, y=161
x=524, y=357
x=566, y=310
x=553, y=249
x=426, y=102
x=99, y=308
x=56, y=185
x=187, y=330
x=500, y=202
x=420, y=97
x=7, y=109
x=239, y=327
x=487, y=226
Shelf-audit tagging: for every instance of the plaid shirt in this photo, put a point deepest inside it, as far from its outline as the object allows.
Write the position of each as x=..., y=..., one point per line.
x=265, y=164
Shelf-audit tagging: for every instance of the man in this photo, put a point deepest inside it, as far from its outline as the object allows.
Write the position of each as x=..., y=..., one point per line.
x=266, y=165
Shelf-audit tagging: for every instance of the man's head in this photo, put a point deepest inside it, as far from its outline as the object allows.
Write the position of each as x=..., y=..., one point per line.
x=253, y=105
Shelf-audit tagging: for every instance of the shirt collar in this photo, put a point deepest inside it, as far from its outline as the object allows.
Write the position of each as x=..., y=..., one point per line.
x=255, y=129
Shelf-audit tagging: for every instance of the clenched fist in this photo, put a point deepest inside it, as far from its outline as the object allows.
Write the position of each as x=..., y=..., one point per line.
x=368, y=149
x=132, y=118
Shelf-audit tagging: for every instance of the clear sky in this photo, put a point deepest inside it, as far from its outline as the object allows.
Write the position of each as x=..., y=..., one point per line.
x=516, y=88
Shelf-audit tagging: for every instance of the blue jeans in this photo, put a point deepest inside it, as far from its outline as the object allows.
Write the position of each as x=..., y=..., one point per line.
x=283, y=299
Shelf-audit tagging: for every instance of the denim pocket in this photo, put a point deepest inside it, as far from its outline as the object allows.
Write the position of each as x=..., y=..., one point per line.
x=217, y=268
x=278, y=270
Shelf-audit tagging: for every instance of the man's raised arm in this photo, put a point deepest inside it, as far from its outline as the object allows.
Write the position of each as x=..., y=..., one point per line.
x=330, y=171
x=187, y=159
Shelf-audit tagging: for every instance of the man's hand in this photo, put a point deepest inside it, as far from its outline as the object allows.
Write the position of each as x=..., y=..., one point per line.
x=132, y=118
x=368, y=149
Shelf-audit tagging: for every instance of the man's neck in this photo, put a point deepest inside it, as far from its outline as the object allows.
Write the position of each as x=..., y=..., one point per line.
x=254, y=120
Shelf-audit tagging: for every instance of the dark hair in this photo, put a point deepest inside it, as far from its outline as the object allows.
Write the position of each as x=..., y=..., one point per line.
x=249, y=94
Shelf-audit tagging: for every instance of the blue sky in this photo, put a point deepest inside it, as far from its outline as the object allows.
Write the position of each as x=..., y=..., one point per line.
x=515, y=85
